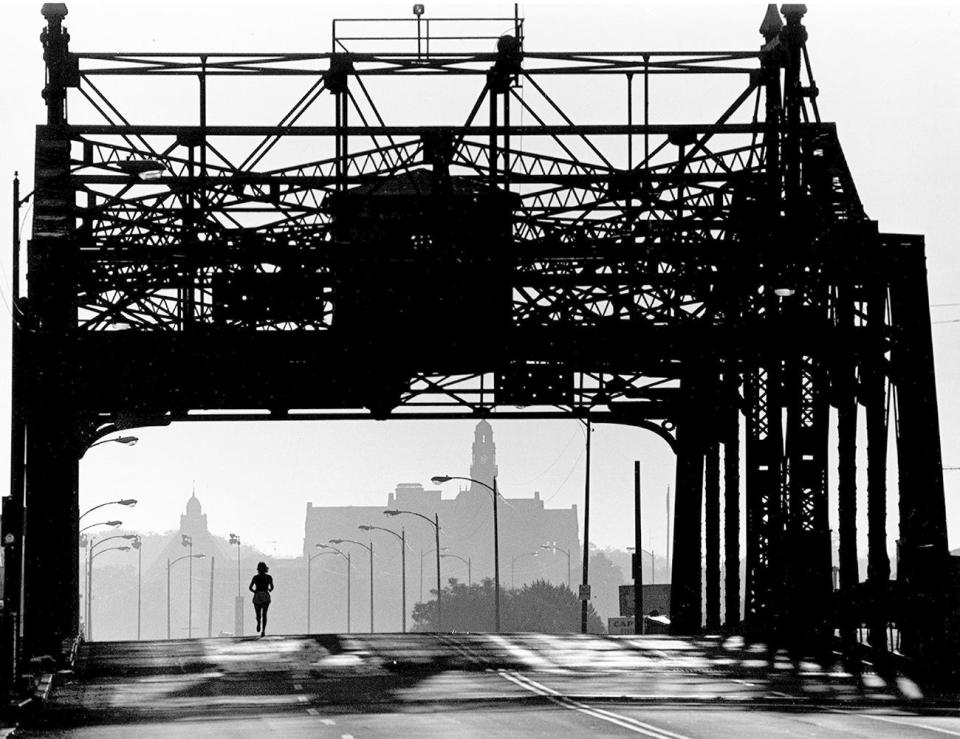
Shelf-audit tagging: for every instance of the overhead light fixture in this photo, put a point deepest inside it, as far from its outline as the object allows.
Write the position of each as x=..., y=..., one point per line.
x=783, y=292
x=145, y=169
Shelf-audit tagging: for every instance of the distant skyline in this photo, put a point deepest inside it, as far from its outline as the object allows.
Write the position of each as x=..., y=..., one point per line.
x=891, y=85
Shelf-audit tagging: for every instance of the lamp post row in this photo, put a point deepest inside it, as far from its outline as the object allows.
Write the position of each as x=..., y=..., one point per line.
x=234, y=539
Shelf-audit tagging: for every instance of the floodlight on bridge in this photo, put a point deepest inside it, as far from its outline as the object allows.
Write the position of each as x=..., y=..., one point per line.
x=145, y=169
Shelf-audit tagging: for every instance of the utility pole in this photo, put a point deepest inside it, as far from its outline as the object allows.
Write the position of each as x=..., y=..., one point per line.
x=210, y=611
x=585, y=587
x=637, y=557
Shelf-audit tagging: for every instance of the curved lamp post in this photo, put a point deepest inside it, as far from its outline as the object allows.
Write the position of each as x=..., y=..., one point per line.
x=90, y=556
x=554, y=548
x=138, y=545
x=439, y=479
x=310, y=580
x=123, y=501
x=402, y=536
x=369, y=549
x=424, y=553
x=125, y=440
x=466, y=562
x=436, y=525
x=346, y=557
x=170, y=564
x=187, y=541
x=90, y=586
x=100, y=523
x=238, y=604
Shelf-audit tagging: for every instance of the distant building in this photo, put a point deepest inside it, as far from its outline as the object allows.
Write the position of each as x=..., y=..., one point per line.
x=466, y=530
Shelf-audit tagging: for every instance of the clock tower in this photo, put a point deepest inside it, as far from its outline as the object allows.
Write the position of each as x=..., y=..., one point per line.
x=483, y=465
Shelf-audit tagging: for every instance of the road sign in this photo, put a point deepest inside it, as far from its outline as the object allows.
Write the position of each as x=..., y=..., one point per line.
x=621, y=625
x=584, y=592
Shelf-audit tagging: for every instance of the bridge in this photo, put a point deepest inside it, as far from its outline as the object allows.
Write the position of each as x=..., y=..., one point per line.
x=711, y=281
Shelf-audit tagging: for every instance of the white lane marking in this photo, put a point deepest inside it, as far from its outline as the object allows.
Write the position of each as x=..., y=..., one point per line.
x=347, y=736
x=297, y=686
x=302, y=698
x=526, y=656
x=327, y=721
x=625, y=722
x=312, y=711
x=910, y=724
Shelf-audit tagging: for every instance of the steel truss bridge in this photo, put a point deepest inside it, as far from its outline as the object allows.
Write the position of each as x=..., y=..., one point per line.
x=712, y=281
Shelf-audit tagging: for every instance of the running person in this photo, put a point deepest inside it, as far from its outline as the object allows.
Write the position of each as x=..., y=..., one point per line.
x=260, y=585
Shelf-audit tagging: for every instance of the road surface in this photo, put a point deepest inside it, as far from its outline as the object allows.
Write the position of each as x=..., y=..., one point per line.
x=481, y=685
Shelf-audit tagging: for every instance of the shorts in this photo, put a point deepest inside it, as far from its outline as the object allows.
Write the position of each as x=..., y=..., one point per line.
x=261, y=598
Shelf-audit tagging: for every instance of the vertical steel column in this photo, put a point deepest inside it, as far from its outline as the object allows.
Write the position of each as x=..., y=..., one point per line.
x=845, y=391
x=809, y=581
x=712, y=517
x=922, y=568
x=731, y=503
x=874, y=400
x=764, y=492
x=494, y=121
x=685, y=595
x=52, y=423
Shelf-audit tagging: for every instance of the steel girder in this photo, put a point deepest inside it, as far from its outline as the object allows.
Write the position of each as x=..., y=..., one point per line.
x=622, y=262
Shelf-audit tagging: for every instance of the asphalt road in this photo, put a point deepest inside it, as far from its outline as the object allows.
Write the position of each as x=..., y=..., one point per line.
x=511, y=685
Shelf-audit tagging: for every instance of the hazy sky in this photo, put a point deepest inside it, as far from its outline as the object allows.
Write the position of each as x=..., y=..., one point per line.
x=888, y=75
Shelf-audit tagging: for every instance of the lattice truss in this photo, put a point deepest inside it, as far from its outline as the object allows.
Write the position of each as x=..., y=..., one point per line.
x=630, y=221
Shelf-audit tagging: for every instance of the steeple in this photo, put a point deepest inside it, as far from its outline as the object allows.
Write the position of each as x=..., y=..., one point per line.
x=194, y=522
x=483, y=465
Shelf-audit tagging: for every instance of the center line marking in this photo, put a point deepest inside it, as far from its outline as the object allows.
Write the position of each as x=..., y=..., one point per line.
x=312, y=711
x=626, y=722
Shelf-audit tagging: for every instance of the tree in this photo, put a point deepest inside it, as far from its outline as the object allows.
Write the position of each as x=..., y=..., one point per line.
x=540, y=606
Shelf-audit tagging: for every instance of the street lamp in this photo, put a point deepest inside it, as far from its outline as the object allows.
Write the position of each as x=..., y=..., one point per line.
x=513, y=562
x=86, y=590
x=369, y=549
x=90, y=556
x=466, y=562
x=187, y=541
x=346, y=557
x=309, y=580
x=238, y=605
x=100, y=523
x=424, y=553
x=402, y=536
x=170, y=564
x=90, y=583
x=125, y=440
x=555, y=549
x=439, y=479
x=436, y=525
x=123, y=501
x=585, y=590
x=138, y=545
